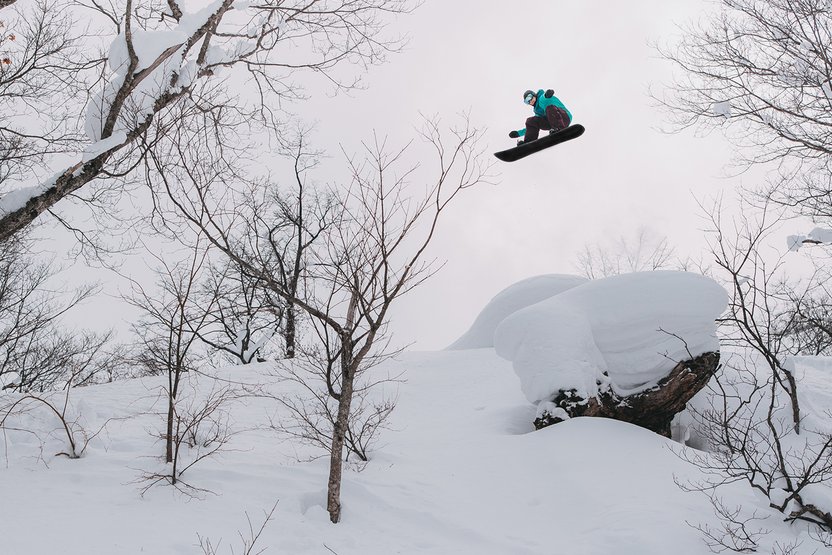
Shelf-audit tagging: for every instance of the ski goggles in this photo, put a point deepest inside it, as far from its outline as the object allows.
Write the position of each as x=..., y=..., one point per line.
x=528, y=99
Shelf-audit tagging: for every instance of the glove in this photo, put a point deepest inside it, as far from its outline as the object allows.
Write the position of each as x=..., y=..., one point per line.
x=549, y=94
x=514, y=134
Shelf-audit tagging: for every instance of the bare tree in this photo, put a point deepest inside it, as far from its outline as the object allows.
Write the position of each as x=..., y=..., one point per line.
x=175, y=316
x=168, y=329
x=43, y=78
x=36, y=353
x=286, y=225
x=374, y=254
x=762, y=70
x=752, y=422
x=755, y=318
x=164, y=65
x=277, y=224
x=244, y=319
x=299, y=222
x=201, y=429
x=750, y=438
x=645, y=252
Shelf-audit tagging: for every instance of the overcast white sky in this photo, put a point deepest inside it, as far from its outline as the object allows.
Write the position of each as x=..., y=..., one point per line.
x=621, y=174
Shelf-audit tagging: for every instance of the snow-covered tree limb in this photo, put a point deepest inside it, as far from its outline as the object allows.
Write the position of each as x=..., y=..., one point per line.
x=155, y=63
x=818, y=236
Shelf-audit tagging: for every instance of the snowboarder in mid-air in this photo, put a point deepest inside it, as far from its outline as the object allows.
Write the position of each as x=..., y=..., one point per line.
x=549, y=113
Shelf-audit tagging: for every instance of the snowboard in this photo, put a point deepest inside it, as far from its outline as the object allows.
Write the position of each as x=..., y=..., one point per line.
x=521, y=151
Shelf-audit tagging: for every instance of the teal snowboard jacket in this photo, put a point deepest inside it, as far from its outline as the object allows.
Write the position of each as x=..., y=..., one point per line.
x=542, y=103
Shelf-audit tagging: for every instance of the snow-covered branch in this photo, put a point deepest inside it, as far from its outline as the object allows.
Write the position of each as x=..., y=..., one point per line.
x=818, y=236
x=156, y=62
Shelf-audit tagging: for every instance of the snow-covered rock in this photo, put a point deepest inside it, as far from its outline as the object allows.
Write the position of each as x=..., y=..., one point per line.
x=627, y=331
x=508, y=301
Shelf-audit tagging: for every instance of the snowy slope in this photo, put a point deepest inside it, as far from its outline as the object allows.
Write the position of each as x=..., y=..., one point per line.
x=460, y=472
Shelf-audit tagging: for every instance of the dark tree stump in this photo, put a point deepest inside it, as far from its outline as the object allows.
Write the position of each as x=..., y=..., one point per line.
x=652, y=409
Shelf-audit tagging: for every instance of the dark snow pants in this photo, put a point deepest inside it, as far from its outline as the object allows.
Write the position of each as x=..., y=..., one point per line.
x=556, y=118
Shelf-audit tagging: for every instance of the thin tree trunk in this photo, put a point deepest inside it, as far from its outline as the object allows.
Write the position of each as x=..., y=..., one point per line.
x=290, y=332
x=336, y=456
x=175, y=459
x=169, y=434
x=173, y=389
x=792, y=391
x=349, y=366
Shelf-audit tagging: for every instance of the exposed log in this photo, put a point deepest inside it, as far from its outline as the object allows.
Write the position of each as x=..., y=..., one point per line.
x=652, y=409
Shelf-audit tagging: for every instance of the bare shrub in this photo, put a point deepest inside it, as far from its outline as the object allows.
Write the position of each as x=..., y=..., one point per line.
x=752, y=423
x=312, y=409
x=248, y=540
x=201, y=429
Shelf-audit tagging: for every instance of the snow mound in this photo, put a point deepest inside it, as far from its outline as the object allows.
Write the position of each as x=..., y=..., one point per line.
x=628, y=330
x=508, y=301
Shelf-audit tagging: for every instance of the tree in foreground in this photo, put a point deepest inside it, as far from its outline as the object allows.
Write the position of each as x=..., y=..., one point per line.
x=376, y=251
x=762, y=72
x=168, y=330
x=753, y=423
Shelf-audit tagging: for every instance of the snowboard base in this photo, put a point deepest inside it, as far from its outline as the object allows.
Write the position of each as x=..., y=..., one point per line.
x=523, y=150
